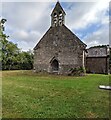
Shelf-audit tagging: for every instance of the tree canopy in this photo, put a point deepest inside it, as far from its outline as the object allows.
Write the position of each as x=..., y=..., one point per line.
x=11, y=57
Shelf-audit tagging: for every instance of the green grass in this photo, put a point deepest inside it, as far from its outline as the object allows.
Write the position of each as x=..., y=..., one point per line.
x=30, y=95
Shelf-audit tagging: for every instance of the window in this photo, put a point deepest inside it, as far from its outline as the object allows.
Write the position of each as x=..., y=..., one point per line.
x=55, y=15
x=60, y=12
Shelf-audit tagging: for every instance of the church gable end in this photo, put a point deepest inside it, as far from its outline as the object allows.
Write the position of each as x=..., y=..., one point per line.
x=59, y=49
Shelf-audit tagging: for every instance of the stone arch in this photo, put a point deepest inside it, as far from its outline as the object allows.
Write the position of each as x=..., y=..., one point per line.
x=55, y=14
x=60, y=13
x=54, y=65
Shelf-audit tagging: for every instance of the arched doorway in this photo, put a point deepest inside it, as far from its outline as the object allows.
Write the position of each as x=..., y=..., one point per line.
x=55, y=65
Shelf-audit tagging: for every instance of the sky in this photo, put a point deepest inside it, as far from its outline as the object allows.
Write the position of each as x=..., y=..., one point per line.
x=28, y=21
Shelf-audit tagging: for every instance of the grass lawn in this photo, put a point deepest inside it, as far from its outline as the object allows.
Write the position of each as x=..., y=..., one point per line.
x=30, y=95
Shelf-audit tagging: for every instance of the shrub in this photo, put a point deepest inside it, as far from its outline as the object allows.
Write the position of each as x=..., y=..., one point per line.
x=79, y=71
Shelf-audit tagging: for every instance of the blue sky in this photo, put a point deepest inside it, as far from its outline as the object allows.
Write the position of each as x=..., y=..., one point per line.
x=28, y=21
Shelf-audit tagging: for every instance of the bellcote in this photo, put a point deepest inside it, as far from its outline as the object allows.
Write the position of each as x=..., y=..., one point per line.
x=57, y=16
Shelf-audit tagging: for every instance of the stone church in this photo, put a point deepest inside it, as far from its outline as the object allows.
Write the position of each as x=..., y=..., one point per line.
x=60, y=50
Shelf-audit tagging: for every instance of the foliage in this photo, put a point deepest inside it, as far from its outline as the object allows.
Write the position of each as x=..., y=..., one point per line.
x=12, y=57
x=77, y=71
x=26, y=60
x=30, y=95
x=2, y=38
x=110, y=60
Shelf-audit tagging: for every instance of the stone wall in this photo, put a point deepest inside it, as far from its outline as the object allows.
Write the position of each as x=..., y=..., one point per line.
x=65, y=58
x=97, y=60
x=60, y=44
x=96, y=65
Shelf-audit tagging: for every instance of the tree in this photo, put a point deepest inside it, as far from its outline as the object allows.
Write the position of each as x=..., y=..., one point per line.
x=11, y=56
x=2, y=39
x=110, y=60
x=26, y=60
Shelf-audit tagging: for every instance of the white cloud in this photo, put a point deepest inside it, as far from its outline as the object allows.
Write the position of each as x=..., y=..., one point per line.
x=84, y=14
x=25, y=15
x=28, y=21
x=99, y=37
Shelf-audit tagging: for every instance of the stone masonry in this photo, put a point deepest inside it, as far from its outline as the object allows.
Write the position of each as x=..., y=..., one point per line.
x=97, y=60
x=59, y=49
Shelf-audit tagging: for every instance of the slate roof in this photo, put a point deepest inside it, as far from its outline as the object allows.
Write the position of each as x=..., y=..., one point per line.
x=63, y=33
x=58, y=7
